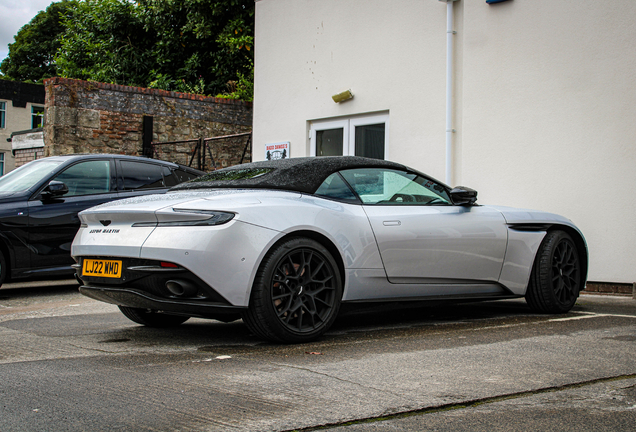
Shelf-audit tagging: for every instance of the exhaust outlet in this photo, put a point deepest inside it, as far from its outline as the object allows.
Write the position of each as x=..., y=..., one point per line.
x=181, y=288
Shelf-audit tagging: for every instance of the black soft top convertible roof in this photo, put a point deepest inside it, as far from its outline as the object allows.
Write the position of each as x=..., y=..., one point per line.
x=304, y=174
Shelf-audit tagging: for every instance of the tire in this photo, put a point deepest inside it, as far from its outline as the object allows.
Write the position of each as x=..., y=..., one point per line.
x=296, y=293
x=152, y=319
x=555, y=281
x=4, y=269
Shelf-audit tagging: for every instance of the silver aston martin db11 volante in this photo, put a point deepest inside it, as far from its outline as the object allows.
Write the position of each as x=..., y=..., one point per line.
x=283, y=243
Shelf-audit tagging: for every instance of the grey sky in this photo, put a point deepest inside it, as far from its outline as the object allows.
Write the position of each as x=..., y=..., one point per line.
x=13, y=15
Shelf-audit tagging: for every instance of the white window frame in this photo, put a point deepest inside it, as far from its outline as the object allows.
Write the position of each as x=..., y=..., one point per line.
x=1, y=163
x=33, y=114
x=349, y=131
x=326, y=125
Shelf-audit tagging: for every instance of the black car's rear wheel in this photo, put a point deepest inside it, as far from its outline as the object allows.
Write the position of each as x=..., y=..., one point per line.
x=555, y=281
x=296, y=294
x=152, y=319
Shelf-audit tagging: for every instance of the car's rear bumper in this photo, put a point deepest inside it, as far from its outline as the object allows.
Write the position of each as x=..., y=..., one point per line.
x=143, y=300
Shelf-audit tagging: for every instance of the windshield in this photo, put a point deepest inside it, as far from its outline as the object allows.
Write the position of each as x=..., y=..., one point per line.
x=26, y=176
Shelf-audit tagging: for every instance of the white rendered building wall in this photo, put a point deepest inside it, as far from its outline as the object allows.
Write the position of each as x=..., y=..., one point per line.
x=544, y=96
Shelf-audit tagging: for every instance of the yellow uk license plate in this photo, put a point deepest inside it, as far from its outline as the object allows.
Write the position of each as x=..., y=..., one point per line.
x=101, y=268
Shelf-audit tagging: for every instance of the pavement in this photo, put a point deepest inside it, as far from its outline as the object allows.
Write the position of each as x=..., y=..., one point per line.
x=70, y=363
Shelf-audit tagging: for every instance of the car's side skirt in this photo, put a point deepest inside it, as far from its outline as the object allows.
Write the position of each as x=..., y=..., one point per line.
x=453, y=298
x=372, y=284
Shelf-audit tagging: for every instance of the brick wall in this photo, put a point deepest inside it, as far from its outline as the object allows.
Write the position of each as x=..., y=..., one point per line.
x=609, y=288
x=88, y=117
x=27, y=155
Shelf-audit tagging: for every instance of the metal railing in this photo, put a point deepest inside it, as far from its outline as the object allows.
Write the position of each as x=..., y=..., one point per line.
x=202, y=145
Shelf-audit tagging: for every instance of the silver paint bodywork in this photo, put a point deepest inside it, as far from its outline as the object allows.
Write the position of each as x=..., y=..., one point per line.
x=387, y=251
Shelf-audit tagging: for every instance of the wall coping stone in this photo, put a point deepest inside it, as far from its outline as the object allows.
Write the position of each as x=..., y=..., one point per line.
x=143, y=90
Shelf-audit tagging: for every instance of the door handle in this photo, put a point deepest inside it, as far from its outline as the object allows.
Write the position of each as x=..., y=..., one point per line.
x=392, y=223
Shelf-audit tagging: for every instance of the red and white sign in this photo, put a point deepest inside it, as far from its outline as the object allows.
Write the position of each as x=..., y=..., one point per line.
x=278, y=150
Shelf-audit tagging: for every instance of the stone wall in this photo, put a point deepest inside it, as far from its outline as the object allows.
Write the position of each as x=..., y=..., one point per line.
x=88, y=117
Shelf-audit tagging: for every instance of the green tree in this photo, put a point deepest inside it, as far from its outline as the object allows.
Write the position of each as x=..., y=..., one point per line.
x=31, y=56
x=183, y=45
x=106, y=41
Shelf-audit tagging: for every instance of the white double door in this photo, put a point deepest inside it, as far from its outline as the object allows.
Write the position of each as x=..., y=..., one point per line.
x=366, y=136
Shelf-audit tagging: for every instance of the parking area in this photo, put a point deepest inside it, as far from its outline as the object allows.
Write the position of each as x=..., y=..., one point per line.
x=71, y=363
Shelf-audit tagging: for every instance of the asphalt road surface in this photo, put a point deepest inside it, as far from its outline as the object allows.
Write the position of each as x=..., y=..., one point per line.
x=68, y=363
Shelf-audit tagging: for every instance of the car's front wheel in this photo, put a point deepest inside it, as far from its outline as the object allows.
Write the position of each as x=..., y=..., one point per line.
x=152, y=319
x=555, y=281
x=296, y=294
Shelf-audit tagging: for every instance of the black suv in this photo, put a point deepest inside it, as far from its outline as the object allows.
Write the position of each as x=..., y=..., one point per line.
x=39, y=202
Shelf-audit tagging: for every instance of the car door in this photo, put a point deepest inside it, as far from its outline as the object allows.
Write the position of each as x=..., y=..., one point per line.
x=53, y=221
x=422, y=237
x=14, y=222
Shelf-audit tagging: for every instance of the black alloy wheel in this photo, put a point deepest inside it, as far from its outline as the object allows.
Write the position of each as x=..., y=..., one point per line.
x=296, y=294
x=556, y=276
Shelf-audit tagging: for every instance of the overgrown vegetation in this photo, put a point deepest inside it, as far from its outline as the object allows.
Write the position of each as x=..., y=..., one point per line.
x=195, y=46
x=32, y=54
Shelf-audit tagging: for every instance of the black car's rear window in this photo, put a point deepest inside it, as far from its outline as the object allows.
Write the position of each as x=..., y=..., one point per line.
x=140, y=175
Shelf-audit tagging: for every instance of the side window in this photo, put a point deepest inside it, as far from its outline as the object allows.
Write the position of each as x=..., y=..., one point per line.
x=140, y=175
x=183, y=176
x=384, y=186
x=169, y=177
x=335, y=187
x=86, y=178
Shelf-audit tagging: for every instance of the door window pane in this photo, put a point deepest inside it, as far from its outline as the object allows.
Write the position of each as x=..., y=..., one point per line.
x=329, y=142
x=139, y=175
x=370, y=141
x=387, y=186
x=86, y=178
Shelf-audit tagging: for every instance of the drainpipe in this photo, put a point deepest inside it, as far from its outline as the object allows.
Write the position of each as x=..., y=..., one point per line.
x=449, y=90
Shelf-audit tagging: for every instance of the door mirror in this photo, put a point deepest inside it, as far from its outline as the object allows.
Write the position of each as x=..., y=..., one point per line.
x=462, y=195
x=54, y=189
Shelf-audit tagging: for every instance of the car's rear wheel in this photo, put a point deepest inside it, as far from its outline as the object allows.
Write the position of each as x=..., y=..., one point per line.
x=152, y=319
x=555, y=281
x=296, y=294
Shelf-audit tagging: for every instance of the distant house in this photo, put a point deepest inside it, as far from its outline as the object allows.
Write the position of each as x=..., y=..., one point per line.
x=542, y=100
x=21, y=109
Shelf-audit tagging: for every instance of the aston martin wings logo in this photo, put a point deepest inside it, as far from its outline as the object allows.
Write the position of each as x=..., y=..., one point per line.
x=105, y=222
